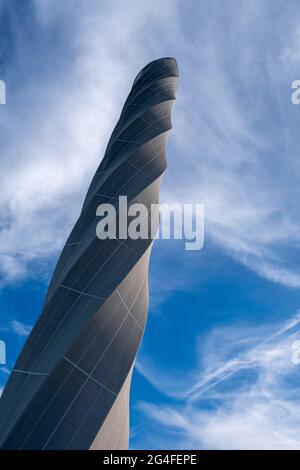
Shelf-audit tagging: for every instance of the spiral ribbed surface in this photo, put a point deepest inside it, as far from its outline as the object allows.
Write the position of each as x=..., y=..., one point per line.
x=70, y=386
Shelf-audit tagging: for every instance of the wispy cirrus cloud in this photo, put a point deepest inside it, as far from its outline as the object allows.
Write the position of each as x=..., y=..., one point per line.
x=236, y=135
x=236, y=130
x=235, y=148
x=244, y=393
x=20, y=328
x=57, y=121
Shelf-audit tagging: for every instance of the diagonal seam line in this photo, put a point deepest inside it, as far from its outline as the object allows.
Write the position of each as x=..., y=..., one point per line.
x=83, y=385
x=88, y=375
x=95, y=338
x=105, y=170
x=89, y=240
x=81, y=292
x=139, y=290
x=138, y=170
x=73, y=401
x=105, y=196
x=159, y=119
x=118, y=139
x=94, y=368
x=131, y=141
x=19, y=371
x=129, y=311
x=60, y=324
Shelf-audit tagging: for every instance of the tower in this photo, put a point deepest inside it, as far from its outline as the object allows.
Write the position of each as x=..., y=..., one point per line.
x=69, y=388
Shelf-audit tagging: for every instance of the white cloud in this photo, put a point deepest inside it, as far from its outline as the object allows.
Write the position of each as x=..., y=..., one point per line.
x=236, y=136
x=243, y=395
x=235, y=148
x=57, y=122
x=20, y=328
x=235, y=128
x=5, y=370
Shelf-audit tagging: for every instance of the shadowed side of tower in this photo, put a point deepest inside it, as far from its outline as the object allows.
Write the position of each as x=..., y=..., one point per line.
x=69, y=388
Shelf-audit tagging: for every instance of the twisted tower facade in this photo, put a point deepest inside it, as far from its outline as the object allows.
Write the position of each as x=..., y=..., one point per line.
x=69, y=388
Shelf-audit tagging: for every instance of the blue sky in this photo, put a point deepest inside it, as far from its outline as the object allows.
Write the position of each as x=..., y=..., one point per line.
x=214, y=369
